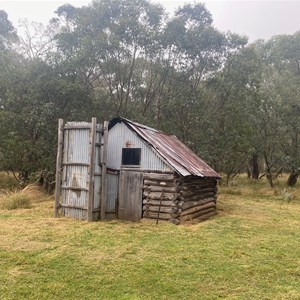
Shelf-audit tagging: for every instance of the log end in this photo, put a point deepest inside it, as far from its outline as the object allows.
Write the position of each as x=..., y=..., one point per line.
x=174, y=221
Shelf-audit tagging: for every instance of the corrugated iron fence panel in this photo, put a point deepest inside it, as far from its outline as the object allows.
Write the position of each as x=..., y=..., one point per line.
x=112, y=188
x=76, y=158
x=76, y=168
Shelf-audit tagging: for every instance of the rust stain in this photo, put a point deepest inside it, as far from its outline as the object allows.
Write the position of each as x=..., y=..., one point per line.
x=128, y=144
x=75, y=184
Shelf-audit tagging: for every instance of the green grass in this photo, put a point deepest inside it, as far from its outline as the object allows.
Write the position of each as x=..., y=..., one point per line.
x=250, y=250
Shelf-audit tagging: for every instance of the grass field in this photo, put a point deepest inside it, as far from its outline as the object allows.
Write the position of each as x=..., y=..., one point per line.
x=250, y=250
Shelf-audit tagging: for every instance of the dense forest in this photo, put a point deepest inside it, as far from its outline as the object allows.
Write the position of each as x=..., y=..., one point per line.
x=236, y=104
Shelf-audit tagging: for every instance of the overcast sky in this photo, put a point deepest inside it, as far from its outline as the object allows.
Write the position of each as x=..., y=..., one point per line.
x=255, y=19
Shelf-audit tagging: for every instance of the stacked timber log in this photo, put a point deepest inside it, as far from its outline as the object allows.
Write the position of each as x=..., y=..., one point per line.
x=160, y=192
x=198, y=198
x=173, y=198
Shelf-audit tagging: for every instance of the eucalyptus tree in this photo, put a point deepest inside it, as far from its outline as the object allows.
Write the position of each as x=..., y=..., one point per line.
x=106, y=41
x=36, y=40
x=231, y=99
x=195, y=51
x=33, y=95
x=282, y=80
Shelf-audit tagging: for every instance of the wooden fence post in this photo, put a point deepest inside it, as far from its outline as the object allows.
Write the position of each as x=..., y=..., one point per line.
x=103, y=170
x=92, y=171
x=60, y=141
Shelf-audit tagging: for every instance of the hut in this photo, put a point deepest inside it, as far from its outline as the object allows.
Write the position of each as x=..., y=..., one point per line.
x=145, y=173
x=160, y=177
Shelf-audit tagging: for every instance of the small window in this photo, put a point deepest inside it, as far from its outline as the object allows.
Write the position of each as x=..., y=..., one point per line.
x=131, y=156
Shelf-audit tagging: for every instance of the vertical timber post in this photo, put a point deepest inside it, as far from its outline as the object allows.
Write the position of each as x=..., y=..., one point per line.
x=60, y=140
x=92, y=170
x=103, y=171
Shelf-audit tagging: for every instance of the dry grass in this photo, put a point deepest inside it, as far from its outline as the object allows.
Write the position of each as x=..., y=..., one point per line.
x=18, y=199
x=7, y=181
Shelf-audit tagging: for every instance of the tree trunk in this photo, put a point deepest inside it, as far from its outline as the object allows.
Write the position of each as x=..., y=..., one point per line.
x=254, y=166
x=268, y=171
x=292, y=180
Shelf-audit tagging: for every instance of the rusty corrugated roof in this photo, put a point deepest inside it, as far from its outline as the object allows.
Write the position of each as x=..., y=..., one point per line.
x=181, y=158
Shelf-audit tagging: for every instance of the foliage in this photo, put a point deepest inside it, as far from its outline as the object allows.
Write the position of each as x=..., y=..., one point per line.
x=7, y=31
x=235, y=104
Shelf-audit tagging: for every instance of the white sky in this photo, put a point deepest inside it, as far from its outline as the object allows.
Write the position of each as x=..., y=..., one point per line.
x=255, y=19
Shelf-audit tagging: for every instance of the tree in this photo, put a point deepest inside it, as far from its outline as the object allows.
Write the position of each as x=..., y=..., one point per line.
x=36, y=40
x=282, y=78
x=7, y=31
x=34, y=96
x=106, y=41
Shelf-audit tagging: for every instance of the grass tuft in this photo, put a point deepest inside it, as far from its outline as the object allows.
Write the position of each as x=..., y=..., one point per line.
x=22, y=198
x=14, y=200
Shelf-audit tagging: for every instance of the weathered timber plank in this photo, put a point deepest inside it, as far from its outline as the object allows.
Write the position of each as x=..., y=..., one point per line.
x=60, y=140
x=153, y=188
x=162, y=209
x=153, y=215
x=157, y=202
x=158, y=183
x=198, y=214
x=202, y=191
x=198, y=208
x=73, y=206
x=130, y=196
x=103, y=170
x=196, y=197
x=190, y=204
x=198, y=180
x=156, y=176
x=74, y=188
x=92, y=170
x=157, y=195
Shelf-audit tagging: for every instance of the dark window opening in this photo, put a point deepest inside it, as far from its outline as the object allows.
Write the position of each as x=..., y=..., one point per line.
x=131, y=156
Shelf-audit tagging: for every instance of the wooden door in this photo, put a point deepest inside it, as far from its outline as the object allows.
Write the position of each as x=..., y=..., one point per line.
x=130, y=196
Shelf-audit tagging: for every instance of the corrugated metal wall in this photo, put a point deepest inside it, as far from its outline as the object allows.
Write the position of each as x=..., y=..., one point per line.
x=112, y=188
x=75, y=170
x=120, y=136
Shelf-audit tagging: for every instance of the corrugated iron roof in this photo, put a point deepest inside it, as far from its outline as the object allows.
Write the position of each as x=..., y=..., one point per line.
x=182, y=159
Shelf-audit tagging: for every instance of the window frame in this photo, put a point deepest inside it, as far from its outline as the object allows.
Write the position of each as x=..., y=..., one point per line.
x=131, y=165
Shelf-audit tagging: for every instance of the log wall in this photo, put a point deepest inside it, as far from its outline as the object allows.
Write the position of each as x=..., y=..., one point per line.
x=160, y=192
x=174, y=198
x=198, y=198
